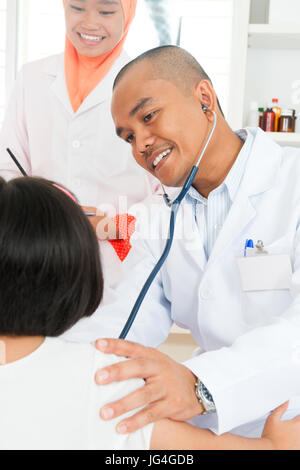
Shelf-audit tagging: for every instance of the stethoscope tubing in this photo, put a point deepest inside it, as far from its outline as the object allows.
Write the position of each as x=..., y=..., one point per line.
x=174, y=211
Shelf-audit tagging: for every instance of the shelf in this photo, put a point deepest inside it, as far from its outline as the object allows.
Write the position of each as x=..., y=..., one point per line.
x=287, y=138
x=270, y=36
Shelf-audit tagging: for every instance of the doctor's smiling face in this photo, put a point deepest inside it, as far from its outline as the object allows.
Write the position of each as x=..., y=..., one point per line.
x=94, y=27
x=164, y=124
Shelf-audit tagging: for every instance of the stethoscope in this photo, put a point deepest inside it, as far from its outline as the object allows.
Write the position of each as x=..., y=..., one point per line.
x=174, y=210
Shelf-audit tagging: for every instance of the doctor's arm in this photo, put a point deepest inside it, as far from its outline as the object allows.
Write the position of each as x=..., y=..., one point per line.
x=14, y=134
x=248, y=379
x=174, y=434
x=260, y=369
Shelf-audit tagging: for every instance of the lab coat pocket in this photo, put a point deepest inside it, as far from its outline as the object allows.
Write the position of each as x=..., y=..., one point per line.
x=269, y=269
x=266, y=293
x=265, y=272
x=261, y=307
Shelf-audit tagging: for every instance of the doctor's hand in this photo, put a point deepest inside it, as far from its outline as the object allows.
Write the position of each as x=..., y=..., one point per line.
x=105, y=228
x=169, y=390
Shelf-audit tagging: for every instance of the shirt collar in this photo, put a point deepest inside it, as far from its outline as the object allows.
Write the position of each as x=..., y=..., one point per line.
x=233, y=179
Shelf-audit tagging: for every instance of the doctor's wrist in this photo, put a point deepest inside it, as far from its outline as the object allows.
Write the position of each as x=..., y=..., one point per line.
x=198, y=408
x=204, y=397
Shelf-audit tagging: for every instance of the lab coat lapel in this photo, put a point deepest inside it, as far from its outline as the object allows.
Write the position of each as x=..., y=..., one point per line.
x=101, y=93
x=55, y=69
x=59, y=88
x=261, y=174
x=103, y=90
x=239, y=216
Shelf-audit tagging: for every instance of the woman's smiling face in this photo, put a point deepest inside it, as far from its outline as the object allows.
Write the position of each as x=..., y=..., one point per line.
x=94, y=27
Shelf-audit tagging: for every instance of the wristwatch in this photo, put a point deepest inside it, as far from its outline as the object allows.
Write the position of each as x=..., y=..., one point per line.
x=205, y=398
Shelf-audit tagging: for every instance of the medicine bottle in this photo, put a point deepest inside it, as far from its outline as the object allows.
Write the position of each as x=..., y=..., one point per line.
x=269, y=120
x=261, y=118
x=287, y=121
x=277, y=111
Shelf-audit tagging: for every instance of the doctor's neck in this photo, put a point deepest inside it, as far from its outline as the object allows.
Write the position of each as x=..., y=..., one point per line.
x=219, y=158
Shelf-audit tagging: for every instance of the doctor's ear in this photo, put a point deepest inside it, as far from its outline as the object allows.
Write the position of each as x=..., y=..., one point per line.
x=205, y=95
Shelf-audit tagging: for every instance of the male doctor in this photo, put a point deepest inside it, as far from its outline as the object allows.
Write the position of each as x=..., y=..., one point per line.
x=242, y=306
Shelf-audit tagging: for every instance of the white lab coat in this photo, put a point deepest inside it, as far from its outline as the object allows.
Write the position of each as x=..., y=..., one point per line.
x=79, y=150
x=249, y=342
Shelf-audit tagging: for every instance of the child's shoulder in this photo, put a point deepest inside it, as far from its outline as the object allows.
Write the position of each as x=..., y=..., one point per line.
x=103, y=360
x=81, y=352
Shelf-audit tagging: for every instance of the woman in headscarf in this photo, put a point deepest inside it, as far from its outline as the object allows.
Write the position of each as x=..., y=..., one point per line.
x=58, y=122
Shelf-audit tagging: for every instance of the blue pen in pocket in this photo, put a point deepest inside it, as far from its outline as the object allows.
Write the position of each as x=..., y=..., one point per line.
x=248, y=244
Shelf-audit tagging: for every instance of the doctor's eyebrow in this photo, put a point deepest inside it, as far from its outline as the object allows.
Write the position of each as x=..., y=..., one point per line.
x=140, y=105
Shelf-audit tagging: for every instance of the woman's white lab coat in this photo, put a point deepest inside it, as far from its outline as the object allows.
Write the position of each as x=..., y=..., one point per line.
x=249, y=341
x=79, y=150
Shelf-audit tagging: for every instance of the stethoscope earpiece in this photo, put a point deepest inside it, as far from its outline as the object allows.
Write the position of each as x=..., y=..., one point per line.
x=204, y=108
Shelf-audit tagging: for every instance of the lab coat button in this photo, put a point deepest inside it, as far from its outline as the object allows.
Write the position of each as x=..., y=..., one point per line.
x=75, y=144
x=205, y=293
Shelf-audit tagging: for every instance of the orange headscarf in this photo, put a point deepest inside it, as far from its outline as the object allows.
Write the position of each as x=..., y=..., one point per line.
x=84, y=73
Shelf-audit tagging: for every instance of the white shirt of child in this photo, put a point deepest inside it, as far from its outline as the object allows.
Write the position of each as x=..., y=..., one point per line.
x=50, y=401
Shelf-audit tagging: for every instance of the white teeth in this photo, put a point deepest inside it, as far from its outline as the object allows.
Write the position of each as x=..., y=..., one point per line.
x=160, y=157
x=91, y=38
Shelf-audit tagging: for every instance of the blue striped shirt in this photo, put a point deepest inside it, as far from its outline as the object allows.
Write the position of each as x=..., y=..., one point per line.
x=210, y=213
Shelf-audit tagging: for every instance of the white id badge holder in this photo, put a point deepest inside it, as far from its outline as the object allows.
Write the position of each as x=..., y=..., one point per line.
x=260, y=270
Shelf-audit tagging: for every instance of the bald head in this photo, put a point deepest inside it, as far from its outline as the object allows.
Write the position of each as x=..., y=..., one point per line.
x=170, y=63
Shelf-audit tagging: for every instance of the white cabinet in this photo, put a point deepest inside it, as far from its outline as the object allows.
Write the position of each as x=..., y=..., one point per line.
x=273, y=36
x=272, y=69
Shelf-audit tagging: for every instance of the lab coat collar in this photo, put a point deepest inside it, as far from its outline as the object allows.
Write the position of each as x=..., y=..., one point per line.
x=261, y=174
x=54, y=67
x=262, y=170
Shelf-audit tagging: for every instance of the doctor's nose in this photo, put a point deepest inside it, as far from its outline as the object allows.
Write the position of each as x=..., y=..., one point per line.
x=144, y=143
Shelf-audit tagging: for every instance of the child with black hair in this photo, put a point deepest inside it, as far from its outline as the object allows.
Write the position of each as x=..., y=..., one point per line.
x=50, y=277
